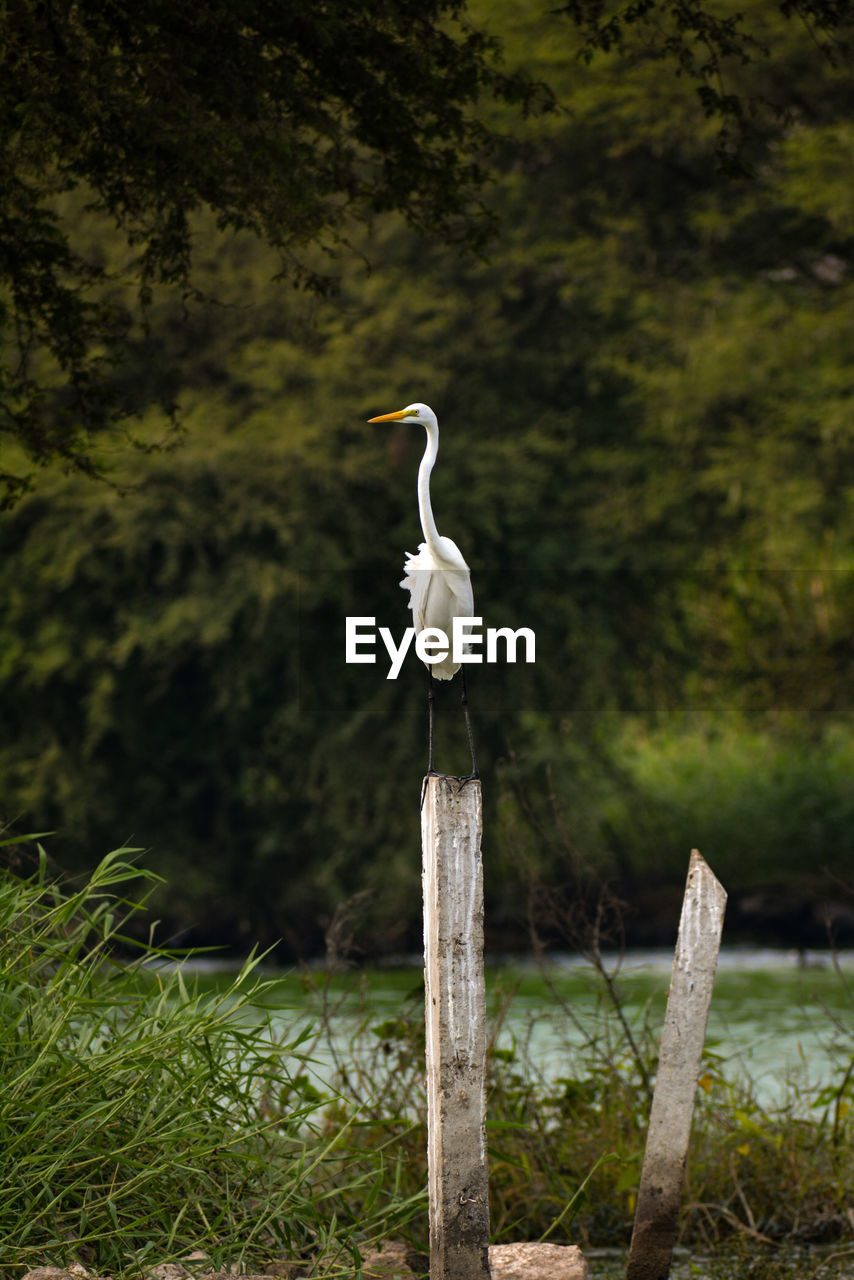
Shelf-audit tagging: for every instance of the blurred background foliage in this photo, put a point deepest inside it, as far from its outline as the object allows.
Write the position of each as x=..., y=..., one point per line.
x=645, y=395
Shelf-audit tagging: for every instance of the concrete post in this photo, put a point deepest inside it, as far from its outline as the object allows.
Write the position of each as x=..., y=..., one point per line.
x=451, y=826
x=691, y=983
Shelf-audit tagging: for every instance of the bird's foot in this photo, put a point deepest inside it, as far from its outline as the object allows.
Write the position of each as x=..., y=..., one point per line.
x=449, y=777
x=431, y=773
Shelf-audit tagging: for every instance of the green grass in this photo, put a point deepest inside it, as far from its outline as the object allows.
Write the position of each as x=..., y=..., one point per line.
x=144, y=1116
x=141, y=1118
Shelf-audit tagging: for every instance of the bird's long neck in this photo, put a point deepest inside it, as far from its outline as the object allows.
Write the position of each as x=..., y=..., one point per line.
x=425, y=509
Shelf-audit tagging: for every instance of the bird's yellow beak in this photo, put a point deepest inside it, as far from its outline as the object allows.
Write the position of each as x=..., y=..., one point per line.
x=390, y=417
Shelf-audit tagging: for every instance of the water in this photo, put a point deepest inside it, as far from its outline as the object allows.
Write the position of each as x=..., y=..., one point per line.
x=824, y=1262
x=778, y=1018
x=770, y=1018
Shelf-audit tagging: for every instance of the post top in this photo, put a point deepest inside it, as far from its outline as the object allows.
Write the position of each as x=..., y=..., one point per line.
x=449, y=784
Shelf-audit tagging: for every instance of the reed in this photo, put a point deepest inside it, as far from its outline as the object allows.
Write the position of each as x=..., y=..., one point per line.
x=135, y=1114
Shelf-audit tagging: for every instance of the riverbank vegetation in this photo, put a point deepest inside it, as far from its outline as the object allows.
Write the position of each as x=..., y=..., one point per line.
x=146, y=1117
x=133, y=1109
x=566, y=1144
x=644, y=394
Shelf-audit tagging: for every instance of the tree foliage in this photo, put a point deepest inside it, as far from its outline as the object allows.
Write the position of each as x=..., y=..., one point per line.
x=646, y=455
x=710, y=45
x=293, y=121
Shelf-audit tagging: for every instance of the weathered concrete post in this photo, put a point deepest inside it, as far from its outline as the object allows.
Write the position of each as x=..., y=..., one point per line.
x=451, y=826
x=691, y=983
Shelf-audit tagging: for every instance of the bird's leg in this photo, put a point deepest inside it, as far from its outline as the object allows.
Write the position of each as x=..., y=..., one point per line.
x=431, y=772
x=465, y=700
x=431, y=698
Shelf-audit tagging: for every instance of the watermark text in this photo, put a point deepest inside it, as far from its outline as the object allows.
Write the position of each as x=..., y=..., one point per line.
x=432, y=645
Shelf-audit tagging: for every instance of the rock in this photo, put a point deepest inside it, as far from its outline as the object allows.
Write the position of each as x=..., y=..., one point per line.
x=389, y=1262
x=537, y=1262
x=75, y=1271
x=175, y=1271
x=48, y=1273
x=394, y=1260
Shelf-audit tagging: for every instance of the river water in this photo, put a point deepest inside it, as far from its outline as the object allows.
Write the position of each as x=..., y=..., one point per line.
x=827, y=1262
x=779, y=1017
x=785, y=1020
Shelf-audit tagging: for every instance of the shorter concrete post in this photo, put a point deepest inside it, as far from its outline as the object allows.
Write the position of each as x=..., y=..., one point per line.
x=691, y=983
x=451, y=827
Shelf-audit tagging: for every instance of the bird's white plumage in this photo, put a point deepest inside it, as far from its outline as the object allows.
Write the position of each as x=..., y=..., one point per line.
x=439, y=591
x=436, y=576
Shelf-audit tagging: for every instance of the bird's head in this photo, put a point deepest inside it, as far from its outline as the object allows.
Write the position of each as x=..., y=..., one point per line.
x=412, y=413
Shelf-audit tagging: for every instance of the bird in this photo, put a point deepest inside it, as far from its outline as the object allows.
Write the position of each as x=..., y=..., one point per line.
x=436, y=576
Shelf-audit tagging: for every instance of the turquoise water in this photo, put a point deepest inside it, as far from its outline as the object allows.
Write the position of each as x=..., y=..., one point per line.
x=770, y=1019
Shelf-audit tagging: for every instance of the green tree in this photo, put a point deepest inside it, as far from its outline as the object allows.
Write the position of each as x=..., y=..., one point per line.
x=295, y=121
x=711, y=45
x=646, y=455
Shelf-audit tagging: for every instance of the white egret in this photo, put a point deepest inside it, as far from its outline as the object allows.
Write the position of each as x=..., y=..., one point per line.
x=437, y=577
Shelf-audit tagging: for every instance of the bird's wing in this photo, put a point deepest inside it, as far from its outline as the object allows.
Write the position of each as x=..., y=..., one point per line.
x=458, y=584
x=457, y=579
x=451, y=595
x=419, y=570
x=438, y=593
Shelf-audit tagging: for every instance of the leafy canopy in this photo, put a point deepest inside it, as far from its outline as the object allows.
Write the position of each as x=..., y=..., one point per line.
x=708, y=43
x=293, y=121
x=647, y=456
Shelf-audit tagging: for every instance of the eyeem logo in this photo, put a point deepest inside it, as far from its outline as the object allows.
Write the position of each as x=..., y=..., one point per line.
x=432, y=644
